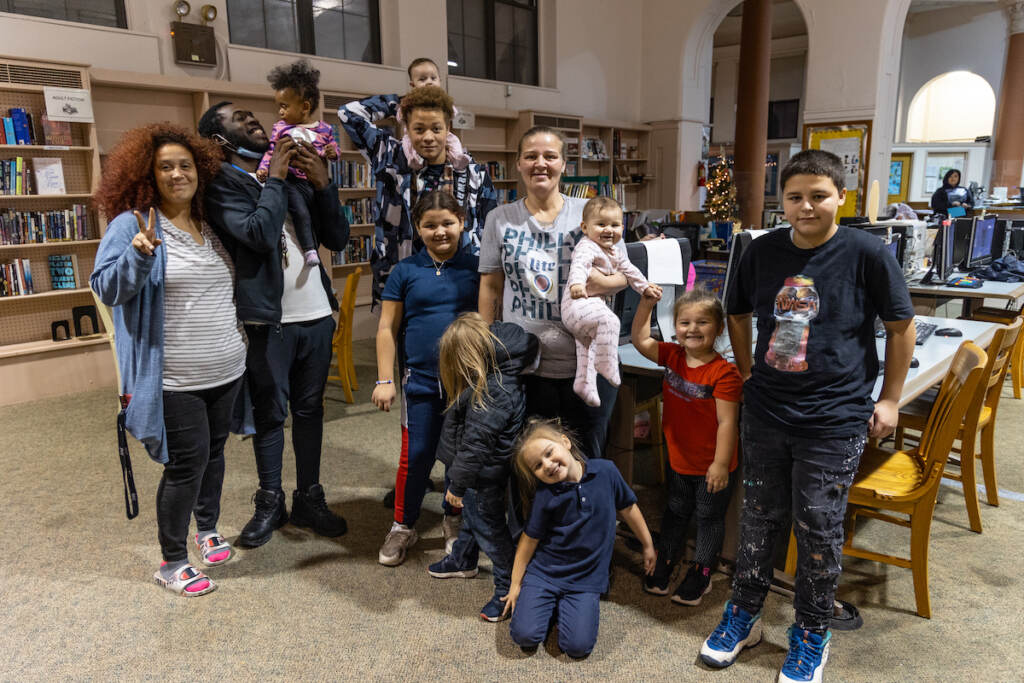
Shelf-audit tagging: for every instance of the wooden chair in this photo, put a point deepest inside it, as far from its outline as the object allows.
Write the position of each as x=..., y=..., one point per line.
x=342, y=342
x=1005, y=316
x=907, y=481
x=107, y=318
x=656, y=438
x=981, y=416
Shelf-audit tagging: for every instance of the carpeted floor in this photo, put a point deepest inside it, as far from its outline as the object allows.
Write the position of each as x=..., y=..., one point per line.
x=78, y=602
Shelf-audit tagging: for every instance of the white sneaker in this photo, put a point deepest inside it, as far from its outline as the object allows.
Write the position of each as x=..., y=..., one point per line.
x=398, y=540
x=450, y=527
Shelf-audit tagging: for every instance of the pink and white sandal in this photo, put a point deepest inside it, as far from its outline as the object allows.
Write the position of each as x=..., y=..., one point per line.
x=188, y=582
x=213, y=549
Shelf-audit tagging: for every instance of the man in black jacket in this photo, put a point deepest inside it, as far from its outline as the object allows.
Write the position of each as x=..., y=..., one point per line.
x=286, y=309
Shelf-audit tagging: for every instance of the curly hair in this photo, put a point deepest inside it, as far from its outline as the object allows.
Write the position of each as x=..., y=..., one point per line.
x=128, y=182
x=301, y=77
x=428, y=97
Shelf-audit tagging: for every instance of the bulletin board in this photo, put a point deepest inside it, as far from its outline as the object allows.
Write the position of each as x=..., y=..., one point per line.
x=900, y=166
x=850, y=141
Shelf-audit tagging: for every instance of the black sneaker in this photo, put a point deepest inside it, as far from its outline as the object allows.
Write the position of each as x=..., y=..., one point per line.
x=657, y=583
x=270, y=514
x=695, y=586
x=309, y=508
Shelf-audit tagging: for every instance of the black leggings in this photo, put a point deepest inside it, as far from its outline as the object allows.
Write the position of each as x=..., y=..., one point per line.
x=197, y=425
x=688, y=494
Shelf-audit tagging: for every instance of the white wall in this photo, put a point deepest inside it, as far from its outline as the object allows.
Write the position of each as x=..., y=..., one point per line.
x=975, y=170
x=972, y=38
x=590, y=51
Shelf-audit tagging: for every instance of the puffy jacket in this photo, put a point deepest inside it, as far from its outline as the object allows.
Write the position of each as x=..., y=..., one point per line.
x=477, y=443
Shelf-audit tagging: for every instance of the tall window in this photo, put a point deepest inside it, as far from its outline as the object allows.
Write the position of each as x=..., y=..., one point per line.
x=99, y=12
x=957, y=106
x=493, y=39
x=343, y=29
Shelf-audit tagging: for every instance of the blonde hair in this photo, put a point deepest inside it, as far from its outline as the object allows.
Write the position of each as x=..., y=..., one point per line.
x=538, y=428
x=699, y=296
x=467, y=357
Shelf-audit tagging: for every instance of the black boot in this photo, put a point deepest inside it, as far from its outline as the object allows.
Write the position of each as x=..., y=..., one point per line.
x=270, y=514
x=309, y=508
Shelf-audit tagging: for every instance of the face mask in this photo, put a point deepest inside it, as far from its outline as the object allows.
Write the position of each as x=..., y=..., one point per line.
x=240, y=151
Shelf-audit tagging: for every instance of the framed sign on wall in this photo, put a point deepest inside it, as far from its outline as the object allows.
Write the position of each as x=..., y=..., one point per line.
x=850, y=141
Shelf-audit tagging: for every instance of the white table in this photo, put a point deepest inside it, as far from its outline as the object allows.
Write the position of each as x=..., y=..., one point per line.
x=1012, y=292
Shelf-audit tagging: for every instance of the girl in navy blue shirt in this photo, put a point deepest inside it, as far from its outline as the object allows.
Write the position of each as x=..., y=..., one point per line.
x=565, y=549
x=424, y=293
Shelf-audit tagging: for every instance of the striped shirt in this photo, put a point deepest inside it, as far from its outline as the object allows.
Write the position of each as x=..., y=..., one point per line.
x=204, y=342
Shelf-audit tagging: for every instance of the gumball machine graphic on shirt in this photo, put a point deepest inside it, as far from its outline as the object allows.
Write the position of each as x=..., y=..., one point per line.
x=796, y=305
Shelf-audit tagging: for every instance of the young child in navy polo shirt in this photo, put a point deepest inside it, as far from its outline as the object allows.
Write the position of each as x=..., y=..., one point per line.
x=572, y=515
x=423, y=295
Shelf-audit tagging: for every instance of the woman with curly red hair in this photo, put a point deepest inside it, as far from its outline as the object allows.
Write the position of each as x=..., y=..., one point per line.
x=180, y=346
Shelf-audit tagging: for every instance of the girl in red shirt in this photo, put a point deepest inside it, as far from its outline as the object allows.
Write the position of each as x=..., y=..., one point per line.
x=701, y=394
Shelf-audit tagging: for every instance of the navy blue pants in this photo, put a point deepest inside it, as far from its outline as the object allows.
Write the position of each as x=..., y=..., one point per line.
x=287, y=366
x=809, y=478
x=423, y=406
x=578, y=616
x=197, y=424
x=485, y=527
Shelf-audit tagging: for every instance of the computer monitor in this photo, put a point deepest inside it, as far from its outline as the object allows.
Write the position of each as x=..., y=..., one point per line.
x=896, y=248
x=1015, y=241
x=942, y=254
x=961, y=240
x=979, y=253
x=1001, y=238
x=740, y=242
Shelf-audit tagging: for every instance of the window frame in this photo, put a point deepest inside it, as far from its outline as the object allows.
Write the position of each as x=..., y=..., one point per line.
x=119, y=11
x=490, y=40
x=306, y=30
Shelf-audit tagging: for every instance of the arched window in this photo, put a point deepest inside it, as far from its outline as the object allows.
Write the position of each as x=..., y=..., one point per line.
x=957, y=106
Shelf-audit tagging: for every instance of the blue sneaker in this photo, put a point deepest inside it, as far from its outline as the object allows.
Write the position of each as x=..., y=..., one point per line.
x=737, y=630
x=493, y=610
x=449, y=569
x=808, y=653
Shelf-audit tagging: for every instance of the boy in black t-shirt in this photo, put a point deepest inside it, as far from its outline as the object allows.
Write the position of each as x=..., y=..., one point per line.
x=808, y=412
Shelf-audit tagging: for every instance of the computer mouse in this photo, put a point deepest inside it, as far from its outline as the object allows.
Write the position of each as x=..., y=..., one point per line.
x=948, y=332
x=914, y=362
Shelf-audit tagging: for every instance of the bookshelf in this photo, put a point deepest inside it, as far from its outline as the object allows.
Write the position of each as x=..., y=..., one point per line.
x=31, y=364
x=611, y=155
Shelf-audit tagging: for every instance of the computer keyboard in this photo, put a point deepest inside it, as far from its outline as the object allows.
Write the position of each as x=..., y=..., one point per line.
x=924, y=330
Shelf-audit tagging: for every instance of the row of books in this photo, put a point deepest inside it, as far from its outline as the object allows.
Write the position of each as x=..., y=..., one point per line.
x=349, y=173
x=358, y=251
x=497, y=171
x=37, y=227
x=19, y=128
x=16, y=278
x=359, y=210
x=587, y=187
x=39, y=175
x=507, y=196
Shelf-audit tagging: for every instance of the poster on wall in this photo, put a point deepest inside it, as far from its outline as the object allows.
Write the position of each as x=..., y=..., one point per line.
x=850, y=141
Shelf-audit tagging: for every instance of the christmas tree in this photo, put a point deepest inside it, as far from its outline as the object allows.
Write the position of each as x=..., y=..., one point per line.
x=721, y=202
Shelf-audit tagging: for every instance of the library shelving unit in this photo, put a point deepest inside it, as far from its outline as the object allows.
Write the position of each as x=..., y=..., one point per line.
x=492, y=142
x=31, y=364
x=612, y=154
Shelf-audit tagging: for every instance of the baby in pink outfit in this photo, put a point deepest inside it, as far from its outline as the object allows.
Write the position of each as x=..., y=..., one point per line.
x=589, y=319
x=422, y=71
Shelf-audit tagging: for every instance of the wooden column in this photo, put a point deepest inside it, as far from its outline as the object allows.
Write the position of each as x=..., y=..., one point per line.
x=752, y=109
x=1008, y=152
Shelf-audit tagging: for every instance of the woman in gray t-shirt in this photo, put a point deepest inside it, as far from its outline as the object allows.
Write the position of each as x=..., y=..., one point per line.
x=525, y=254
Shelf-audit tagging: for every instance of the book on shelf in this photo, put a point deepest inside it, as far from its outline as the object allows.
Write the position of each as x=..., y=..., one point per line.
x=496, y=169
x=359, y=250
x=359, y=210
x=39, y=227
x=64, y=271
x=507, y=196
x=9, y=137
x=345, y=173
x=16, y=278
x=594, y=150
x=22, y=132
x=588, y=187
x=56, y=132
x=49, y=172
x=15, y=178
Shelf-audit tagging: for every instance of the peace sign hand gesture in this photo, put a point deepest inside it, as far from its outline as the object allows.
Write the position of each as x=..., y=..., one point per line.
x=145, y=241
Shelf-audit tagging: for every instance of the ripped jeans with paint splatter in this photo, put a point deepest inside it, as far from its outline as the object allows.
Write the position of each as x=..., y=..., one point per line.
x=807, y=477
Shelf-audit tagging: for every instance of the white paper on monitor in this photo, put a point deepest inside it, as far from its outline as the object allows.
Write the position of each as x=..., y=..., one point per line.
x=664, y=262
x=663, y=312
